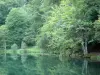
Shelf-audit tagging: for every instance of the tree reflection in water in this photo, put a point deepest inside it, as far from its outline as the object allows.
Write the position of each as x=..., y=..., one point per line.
x=46, y=65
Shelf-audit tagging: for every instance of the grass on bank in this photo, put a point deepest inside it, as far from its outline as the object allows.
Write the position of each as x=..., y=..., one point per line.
x=30, y=51
x=34, y=51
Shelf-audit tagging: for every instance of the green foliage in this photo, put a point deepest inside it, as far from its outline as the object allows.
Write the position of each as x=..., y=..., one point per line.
x=3, y=36
x=30, y=37
x=43, y=42
x=23, y=45
x=57, y=29
x=58, y=26
x=17, y=21
x=69, y=26
x=24, y=23
x=6, y=6
x=97, y=29
x=14, y=47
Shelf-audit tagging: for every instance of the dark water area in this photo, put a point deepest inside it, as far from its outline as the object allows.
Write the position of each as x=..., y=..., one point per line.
x=46, y=65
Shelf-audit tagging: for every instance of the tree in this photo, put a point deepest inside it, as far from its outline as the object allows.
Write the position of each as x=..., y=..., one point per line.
x=17, y=21
x=70, y=22
x=7, y=5
x=55, y=28
x=3, y=36
x=97, y=30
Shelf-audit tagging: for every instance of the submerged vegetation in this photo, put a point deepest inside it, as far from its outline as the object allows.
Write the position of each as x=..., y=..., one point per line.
x=63, y=27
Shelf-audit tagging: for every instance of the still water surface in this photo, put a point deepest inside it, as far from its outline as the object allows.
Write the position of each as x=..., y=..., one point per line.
x=46, y=65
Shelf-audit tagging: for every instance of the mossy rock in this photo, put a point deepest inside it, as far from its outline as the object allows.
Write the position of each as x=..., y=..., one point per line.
x=87, y=56
x=93, y=57
x=98, y=57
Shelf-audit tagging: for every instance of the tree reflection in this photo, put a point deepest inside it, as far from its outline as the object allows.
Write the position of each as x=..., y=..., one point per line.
x=46, y=65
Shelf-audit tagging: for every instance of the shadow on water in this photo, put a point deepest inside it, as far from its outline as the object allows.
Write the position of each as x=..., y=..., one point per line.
x=46, y=65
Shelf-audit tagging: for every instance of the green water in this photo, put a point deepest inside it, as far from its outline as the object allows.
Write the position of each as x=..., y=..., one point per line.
x=46, y=65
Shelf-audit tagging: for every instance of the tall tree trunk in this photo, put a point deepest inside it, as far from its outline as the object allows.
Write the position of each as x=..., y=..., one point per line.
x=4, y=49
x=84, y=46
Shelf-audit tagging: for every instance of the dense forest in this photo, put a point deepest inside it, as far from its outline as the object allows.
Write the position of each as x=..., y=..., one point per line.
x=56, y=26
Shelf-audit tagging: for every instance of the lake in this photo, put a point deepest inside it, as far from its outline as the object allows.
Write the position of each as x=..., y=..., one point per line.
x=46, y=65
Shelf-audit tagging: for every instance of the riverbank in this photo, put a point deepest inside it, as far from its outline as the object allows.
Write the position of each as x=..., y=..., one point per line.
x=34, y=51
x=90, y=56
x=93, y=56
x=30, y=51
